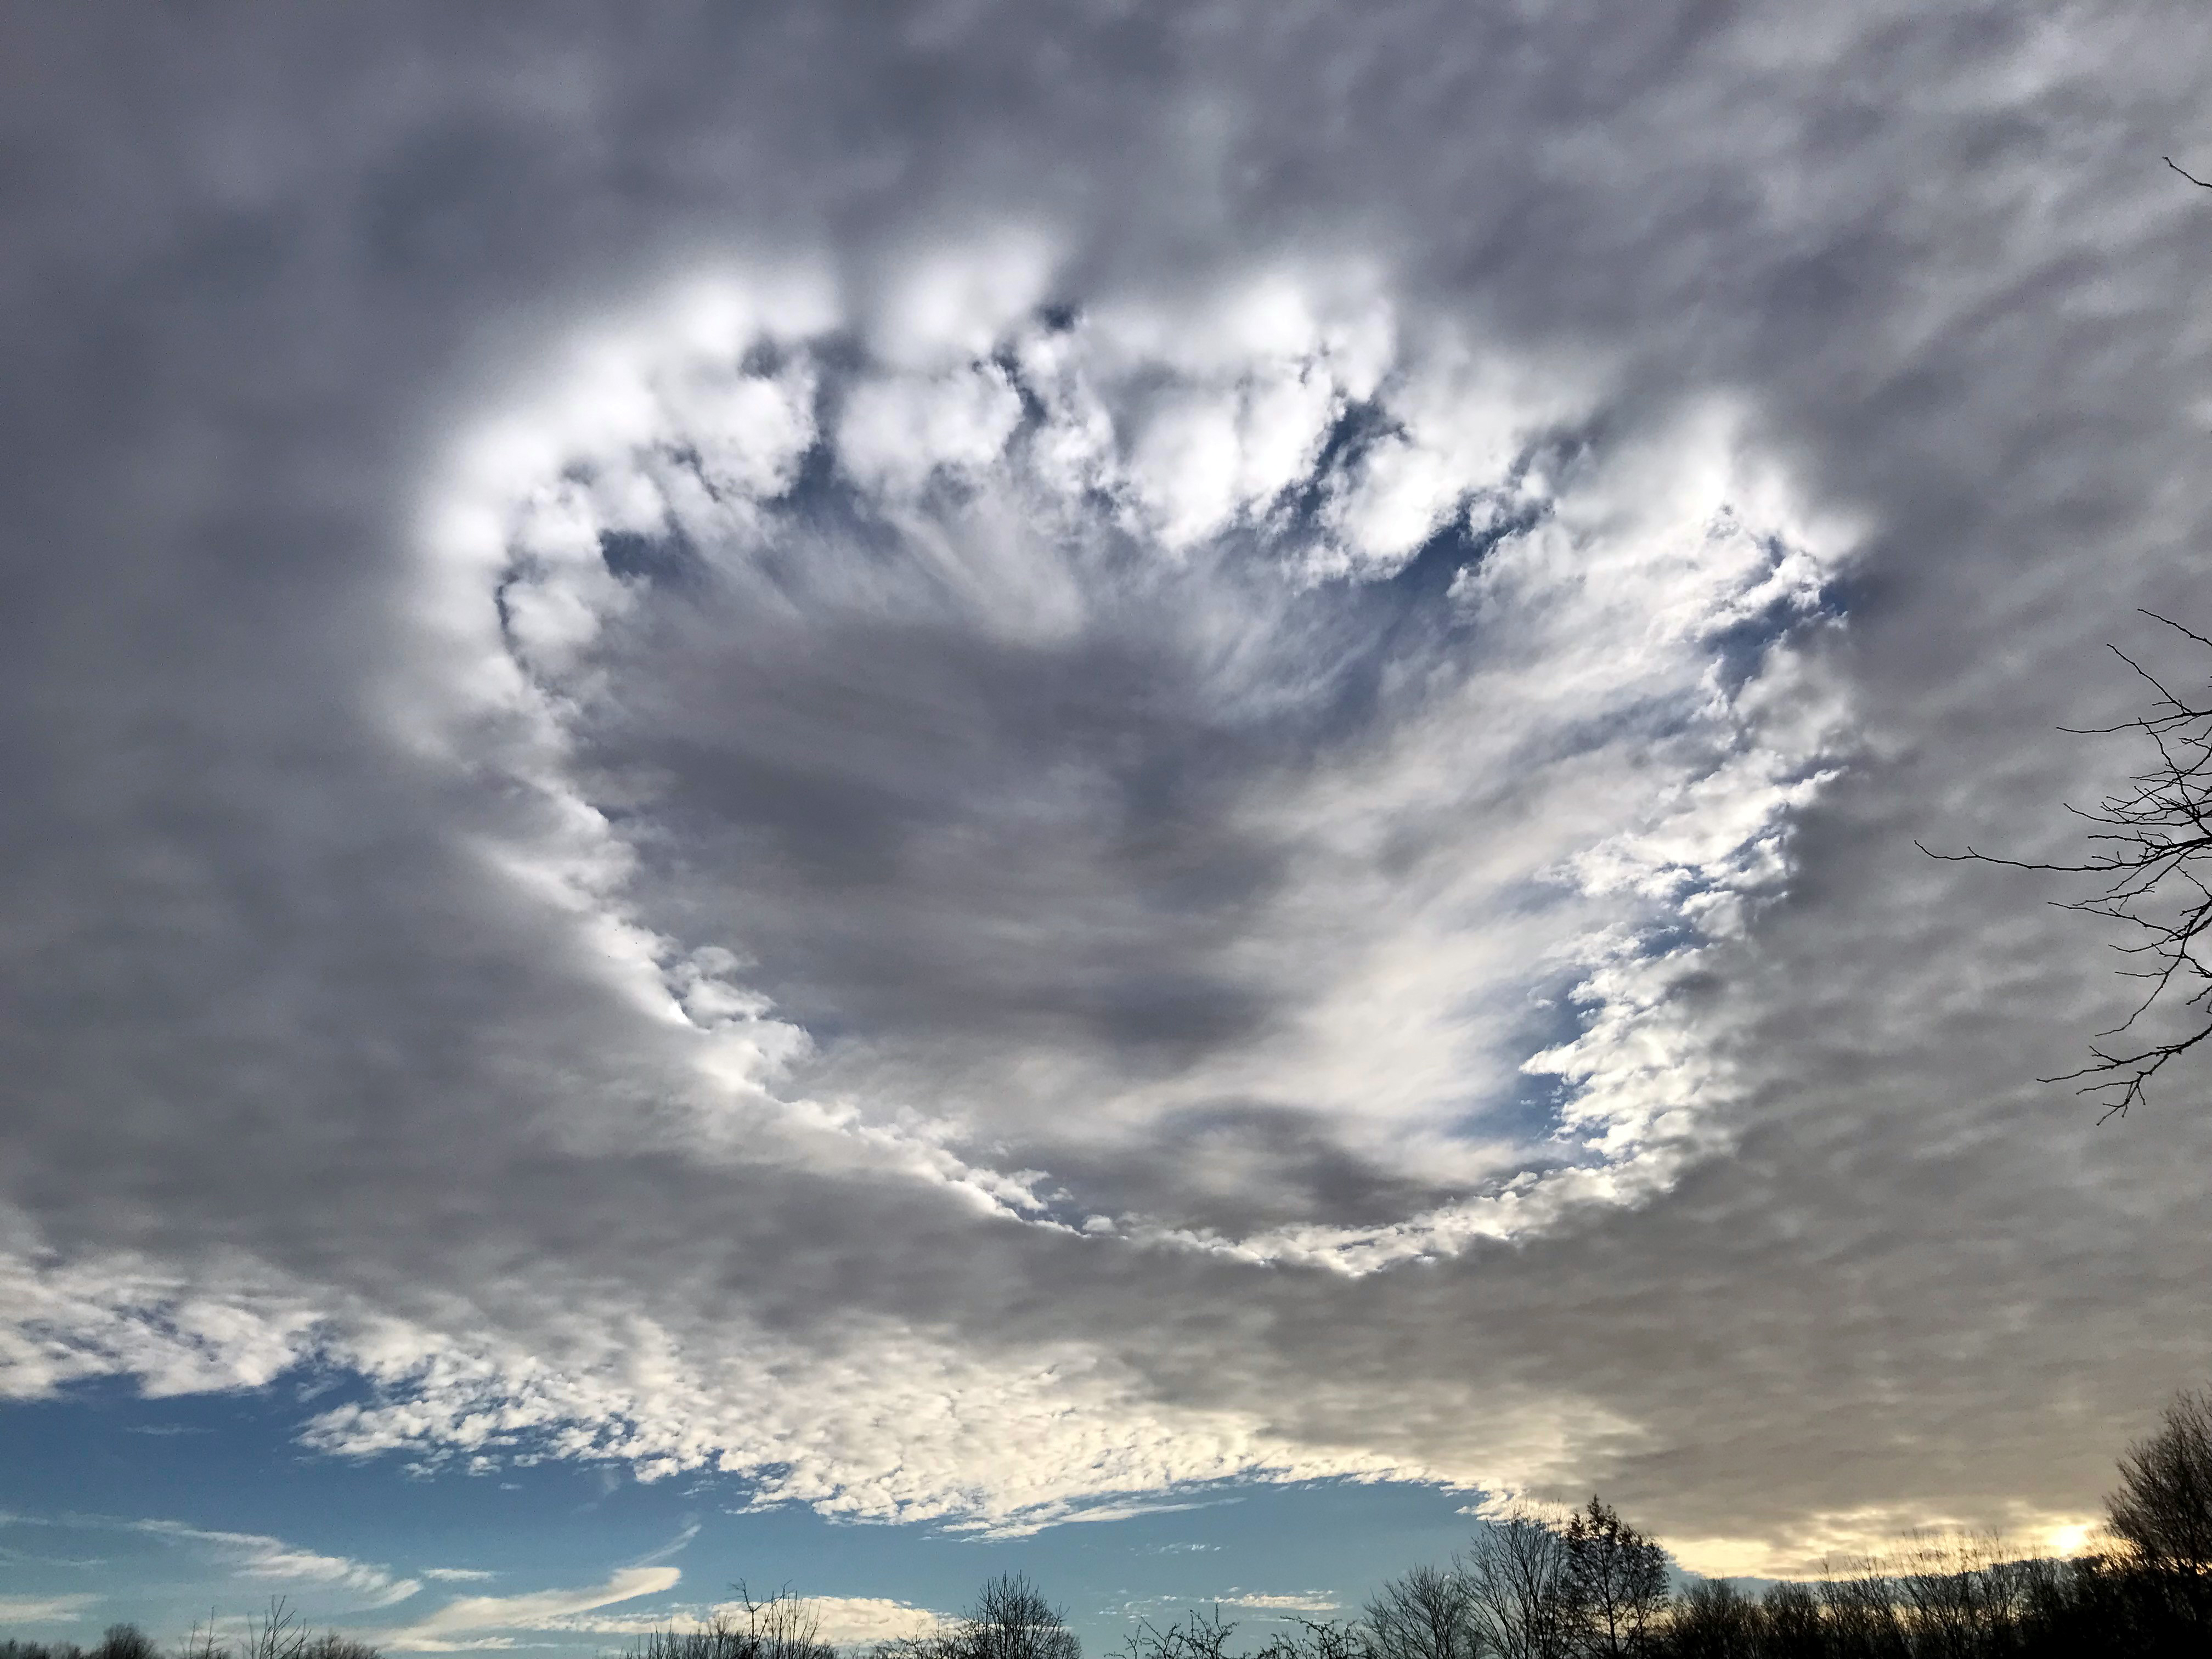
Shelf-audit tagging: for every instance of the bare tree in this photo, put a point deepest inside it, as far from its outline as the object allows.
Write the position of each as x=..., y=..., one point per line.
x=782, y=1627
x=1195, y=1636
x=1011, y=1620
x=1789, y=1621
x=1320, y=1639
x=1427, y=1613
x=1519, y=1589
x=2163, y=1512
x=1715, y=1620
x=276, y=1634
x=1860, y=1615
x=2150, y=844
x=203, y=1643
x=1959, y=1594
x=1618, y=1579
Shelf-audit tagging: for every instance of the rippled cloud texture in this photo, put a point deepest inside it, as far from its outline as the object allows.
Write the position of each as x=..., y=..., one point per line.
x=975, y=768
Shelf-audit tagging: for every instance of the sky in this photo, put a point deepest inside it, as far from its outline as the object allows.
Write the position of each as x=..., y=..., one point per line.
x=847, y=797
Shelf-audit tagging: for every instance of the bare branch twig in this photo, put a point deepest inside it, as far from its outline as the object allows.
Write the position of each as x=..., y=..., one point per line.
x=2148, y=843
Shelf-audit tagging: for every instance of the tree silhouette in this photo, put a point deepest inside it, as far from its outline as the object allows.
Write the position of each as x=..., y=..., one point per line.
x=2151, y=847
x=2162, y=1511
x=1618, y=1581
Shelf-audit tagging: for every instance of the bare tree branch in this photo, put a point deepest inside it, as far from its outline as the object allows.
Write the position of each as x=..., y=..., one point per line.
x=2150, y=844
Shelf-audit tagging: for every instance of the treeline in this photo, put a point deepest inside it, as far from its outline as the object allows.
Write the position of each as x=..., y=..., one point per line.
x=1593, y=1587
x=277, y=1634
x=121, y=1642
x=1589, y=1586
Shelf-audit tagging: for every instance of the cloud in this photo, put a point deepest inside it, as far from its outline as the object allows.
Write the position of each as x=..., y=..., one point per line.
x=1580, y=603
x=841, y=1621
x=44, y=1609
x=674, y=1546
x=859, y=1620
x=1336, y=897
x=1545, y=796
x=1313, y=1601
x=444, y=1631
x=256, y=1555
x=362, y=1586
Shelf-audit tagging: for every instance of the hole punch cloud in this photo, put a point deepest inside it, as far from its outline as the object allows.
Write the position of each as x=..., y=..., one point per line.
x=1133, y=791
x=1110, y=735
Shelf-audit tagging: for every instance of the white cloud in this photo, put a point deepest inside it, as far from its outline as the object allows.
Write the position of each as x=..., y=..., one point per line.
x=1596, y=626
x=247, y=1554
x=448, y=1629
x=44, y=1609
x=130, y=1316
x=842, y=1620
x=945, y=302
x=257, y=1556
x=1564, y=801
x=857, y=1620
x=903, y=1428
x=895, y=432
x=1313, y=1601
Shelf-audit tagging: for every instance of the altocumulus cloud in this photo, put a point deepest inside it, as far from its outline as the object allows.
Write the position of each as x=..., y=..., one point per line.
x=981, y=769
x=1189, y=764
x=1184, y=742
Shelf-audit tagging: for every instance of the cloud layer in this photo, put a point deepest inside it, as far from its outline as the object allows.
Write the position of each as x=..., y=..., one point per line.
x=459, y=1624
x=266, y=1563
x=1202, y=742
x=980, y=768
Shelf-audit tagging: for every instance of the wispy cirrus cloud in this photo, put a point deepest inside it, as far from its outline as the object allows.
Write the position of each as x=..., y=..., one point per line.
x=1313, y=1601
x=258, y=1556
x=478, y=1621
x=841, y=1621
x=351, y=1585
x=44, y=1609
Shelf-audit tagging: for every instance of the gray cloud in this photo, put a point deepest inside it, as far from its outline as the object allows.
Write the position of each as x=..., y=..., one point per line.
x=279, y=1045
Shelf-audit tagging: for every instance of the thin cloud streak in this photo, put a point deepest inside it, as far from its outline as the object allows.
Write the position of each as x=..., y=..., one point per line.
x=442, y=1630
